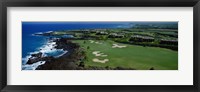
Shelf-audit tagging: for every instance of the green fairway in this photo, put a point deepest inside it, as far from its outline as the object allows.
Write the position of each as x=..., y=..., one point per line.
x=131, y=56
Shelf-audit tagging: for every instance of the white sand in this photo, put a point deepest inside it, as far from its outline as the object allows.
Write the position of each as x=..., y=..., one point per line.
x=97, y=54
x=98, y=43
x=91, y=41
x=101, y=61
x=118, y=46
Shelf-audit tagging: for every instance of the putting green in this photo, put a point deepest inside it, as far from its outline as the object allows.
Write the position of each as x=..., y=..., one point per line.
x=131, y=56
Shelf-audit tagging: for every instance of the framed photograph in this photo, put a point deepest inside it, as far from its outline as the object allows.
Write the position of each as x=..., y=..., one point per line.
x=85, y=45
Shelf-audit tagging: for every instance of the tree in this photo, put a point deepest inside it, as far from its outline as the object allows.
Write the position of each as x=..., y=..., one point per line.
x=83, y=53
x=84, y=42
x=88, y=47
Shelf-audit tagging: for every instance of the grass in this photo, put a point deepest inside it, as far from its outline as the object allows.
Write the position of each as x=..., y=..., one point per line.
x=133, y=56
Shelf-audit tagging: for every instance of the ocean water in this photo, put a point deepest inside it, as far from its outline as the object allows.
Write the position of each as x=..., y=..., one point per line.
x=33, y=44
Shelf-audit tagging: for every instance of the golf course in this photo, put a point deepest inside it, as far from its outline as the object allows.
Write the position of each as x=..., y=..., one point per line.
x=128, y=56
x=136, y=46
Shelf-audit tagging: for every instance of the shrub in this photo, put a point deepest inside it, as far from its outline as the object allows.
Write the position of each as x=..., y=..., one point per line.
x=151, y=68
x=88, y=47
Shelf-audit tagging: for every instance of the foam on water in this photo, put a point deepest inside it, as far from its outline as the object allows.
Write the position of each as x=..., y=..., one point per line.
x=47, y=50
x=32, y=66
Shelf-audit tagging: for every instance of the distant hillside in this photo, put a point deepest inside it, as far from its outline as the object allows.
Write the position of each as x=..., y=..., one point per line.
x=156, y=26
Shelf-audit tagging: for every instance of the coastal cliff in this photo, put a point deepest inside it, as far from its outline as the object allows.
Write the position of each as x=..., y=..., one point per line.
x=67, y=61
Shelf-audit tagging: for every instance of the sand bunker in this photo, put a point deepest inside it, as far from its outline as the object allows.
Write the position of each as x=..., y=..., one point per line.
x=91, y=41
x=98, y=53
x=118, y=46
x=101, y=61
x=98, y=43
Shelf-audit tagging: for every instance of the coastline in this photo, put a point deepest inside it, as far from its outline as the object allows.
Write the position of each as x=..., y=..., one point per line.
x=67, y=61
x=41, y=61
x=75, y=46
x=42, y=54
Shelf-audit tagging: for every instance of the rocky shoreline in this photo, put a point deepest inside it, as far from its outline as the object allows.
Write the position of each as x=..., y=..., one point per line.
x=67, y=61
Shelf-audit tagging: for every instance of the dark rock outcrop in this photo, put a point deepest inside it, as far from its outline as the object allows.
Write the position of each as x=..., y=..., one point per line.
x=37, y=55
x=37, y=59
x=69, y=60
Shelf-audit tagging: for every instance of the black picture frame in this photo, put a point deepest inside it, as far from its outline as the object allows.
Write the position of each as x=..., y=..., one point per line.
x=99, y=3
